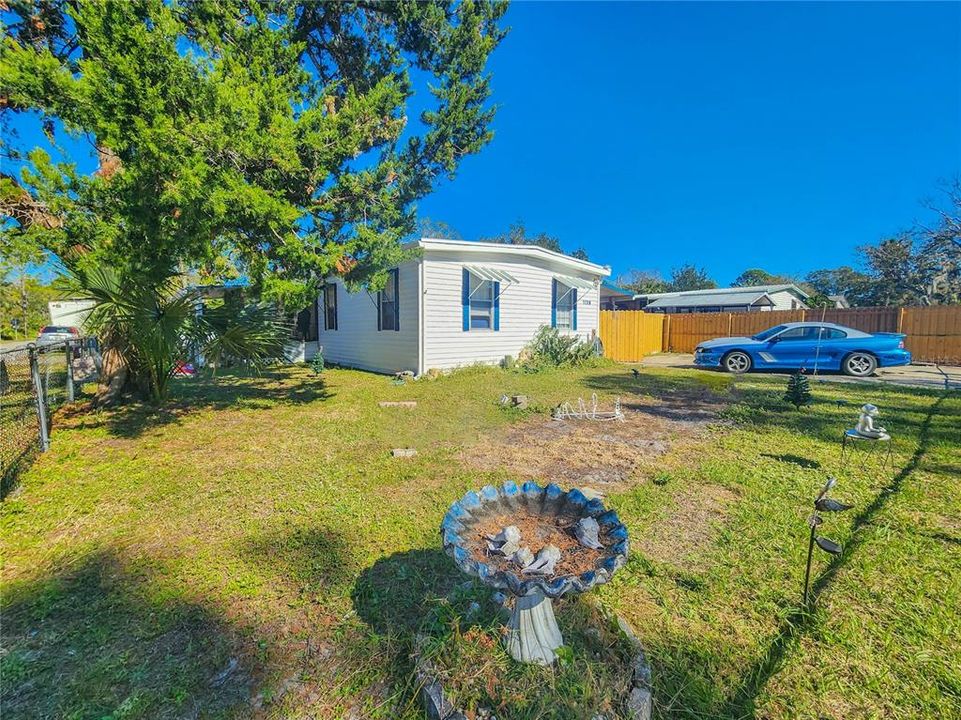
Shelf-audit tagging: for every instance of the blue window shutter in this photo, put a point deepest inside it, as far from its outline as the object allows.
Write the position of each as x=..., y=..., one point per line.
x=465, y=299
x=553, y=303
x=574, y=309
x=497, y=306
x=396, y=300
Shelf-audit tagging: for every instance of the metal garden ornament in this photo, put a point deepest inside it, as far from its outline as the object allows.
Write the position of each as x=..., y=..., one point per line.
x=822, y=504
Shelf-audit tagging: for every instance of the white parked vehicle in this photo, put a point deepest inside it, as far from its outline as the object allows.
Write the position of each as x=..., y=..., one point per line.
x=56, y=334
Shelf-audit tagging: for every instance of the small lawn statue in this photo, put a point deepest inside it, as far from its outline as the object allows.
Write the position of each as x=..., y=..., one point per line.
x=866, y=427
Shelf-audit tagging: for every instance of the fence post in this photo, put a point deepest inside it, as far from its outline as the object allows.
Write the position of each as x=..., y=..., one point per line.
x=900, y=319
x=38, y=395
x=69, y=352
x=730, y=324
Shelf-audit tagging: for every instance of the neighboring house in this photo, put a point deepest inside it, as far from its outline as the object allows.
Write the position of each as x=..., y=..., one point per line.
x=735, y=299
x=459, y=303
x=614, y=297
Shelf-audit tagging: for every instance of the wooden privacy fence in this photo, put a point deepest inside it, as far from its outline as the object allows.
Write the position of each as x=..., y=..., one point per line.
x=630, y=335
x=933, y=333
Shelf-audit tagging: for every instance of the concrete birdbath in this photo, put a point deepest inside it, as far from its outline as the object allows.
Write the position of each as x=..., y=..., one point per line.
x=535, y=543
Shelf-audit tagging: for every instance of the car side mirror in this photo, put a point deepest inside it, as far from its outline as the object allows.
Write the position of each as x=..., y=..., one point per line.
x=775, y=339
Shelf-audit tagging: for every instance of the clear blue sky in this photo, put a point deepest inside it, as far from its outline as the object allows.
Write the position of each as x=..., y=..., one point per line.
x=734, y=135
x=778, y=135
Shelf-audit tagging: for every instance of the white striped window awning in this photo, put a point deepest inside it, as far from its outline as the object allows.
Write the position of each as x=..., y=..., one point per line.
x=485, y=272
x=573, y=282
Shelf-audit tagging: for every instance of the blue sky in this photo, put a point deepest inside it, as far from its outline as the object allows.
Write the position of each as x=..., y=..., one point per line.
x=778, y=135
x=730, y=135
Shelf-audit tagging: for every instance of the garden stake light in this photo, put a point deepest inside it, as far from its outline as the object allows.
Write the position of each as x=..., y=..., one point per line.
x=822, y=503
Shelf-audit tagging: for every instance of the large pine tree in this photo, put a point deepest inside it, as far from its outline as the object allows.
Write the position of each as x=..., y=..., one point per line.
x=264, y=138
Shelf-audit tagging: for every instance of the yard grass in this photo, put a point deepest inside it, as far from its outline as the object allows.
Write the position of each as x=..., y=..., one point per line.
x=252, y=549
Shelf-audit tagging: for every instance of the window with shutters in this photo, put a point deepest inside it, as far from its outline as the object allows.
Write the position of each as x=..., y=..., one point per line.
x=481, y=303
x=565, y=307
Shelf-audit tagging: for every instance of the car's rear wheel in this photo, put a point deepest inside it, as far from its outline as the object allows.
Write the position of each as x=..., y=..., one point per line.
x=737, y=362
x=859, y=364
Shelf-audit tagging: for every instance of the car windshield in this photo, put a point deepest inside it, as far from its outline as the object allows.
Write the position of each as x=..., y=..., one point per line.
x=765, y=334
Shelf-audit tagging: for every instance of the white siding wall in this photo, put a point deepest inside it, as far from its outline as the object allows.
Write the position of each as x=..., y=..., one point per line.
x=357, y=343
x=782, y=301
x=524, y=307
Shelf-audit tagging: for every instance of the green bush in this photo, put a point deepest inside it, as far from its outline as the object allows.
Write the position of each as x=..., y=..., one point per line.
x=550, y=349
x=317, y=363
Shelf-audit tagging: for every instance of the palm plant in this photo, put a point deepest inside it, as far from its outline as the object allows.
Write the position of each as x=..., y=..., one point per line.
x=149, y=322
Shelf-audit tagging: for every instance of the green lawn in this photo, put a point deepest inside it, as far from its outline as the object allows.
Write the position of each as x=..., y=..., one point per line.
x=251, y=548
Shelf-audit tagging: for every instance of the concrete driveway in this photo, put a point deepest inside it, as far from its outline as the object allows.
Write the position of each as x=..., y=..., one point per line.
x=926, y=376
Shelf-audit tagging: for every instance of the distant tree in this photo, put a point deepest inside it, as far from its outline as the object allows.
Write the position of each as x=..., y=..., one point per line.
x=757, y=276
x=643, y=282
x=942, y=243
x=918, y=267
x=689, y=277
x=853, y=284
x=517, y=235
x=580, y=254
x=23, y=305
x=23, y=298
x=430, y=228
x=898, y=274
x=946, y=234
x=817, y=300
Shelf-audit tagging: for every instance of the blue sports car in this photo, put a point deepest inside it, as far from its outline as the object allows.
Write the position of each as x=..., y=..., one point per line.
x=808, y=345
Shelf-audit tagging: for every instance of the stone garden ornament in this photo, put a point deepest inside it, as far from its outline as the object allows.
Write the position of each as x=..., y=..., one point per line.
x=578, y=543
x=866, y=427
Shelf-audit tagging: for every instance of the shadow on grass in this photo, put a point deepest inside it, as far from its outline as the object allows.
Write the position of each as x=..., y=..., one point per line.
x=793, y=460
x=315, y=558
x=190, y=395
x=698, y=395
x=94, y=642
x=14, y=467
x=741, y=702
x=394, y=594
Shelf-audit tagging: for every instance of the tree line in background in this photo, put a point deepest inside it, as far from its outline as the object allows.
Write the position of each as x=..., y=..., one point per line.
x=918, y=267
x=516, y=234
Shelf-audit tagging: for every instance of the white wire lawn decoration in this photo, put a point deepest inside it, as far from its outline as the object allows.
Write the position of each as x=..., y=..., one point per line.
x=584, y=411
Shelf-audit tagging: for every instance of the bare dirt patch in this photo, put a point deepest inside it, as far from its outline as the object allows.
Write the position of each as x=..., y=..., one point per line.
x=601, y=455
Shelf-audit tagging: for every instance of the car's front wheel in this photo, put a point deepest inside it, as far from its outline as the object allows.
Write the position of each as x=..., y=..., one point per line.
x=737, y=362
x=859, y=364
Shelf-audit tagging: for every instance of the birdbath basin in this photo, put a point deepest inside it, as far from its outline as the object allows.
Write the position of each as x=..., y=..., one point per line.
x=551, y=527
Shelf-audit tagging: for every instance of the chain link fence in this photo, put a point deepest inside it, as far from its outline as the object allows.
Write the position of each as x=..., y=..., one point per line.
x=34, y=381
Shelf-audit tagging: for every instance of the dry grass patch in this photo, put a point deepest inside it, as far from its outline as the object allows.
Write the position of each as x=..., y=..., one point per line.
x=684, y=535
x=605, y=455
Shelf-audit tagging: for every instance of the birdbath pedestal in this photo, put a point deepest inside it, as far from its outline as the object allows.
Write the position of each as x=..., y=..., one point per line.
x=547, y=519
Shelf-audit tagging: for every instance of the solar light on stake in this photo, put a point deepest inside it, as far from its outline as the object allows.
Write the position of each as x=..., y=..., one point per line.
x=822, y=503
